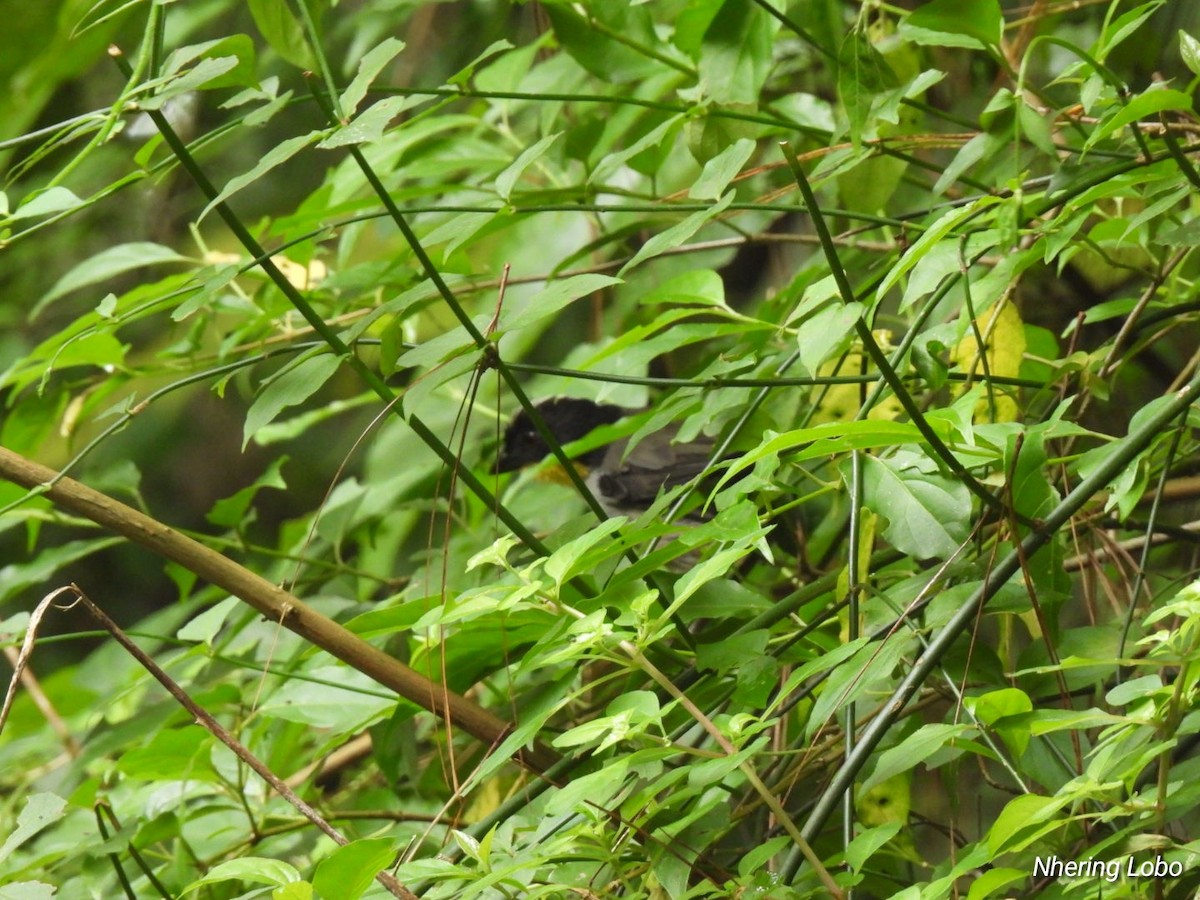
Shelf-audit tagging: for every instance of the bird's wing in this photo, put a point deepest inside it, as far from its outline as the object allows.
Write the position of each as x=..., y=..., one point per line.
x=654, y=464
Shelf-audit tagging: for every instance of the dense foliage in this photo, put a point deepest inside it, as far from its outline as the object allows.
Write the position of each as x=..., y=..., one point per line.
x=275, y=275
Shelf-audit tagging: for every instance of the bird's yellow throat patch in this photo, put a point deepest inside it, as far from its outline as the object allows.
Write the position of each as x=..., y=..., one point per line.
x=553, y=473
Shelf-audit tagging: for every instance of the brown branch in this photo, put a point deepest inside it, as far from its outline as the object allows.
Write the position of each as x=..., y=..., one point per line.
x=272, y=601
x=218, y=731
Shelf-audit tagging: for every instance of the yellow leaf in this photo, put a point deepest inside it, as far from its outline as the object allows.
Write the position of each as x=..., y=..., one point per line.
x=840, y=402
x=1004, y=342
x=886, y=802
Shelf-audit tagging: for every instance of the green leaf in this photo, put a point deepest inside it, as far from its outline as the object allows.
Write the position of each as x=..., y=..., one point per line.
x=46, y=203
x=695, y=287
x=108, y=264
x=561, y=564
x=282, y=31
x=758, y=857
x=915, y=749
x=720, y=170
x=652, y=139
x=993, y=880
x=97, y=349
x=1030, y=488
x=1124, y=27
x=692, y=23
x=825, y=332
x=1151, y=103
x=551, y=300
x=205, y=74
x=1019, y=815
x=585, y=791
x=276, y=156
x=611, y=60
x=348, y=871
x=993, y=706
x=173, y=754
x=464, y=75
x=1189, y=50
x=369, y=67
x=368, y=126
x=862, y=75
x=38, y=811
x=232, y=511
x=331, y=697
x=736, y=53
x=952, y=23
x=235, y=55
x=1133, y=690
x=509, y=177
x=934, y=233
x=938, y=262
x=204, y=627
x=872, y=183
x=677, y=234
x=864, y=845
x=253, y=869
x=927, y=514
x=27, y=890
x=458, y=230
x=978, y=149
x=293, y=385
x=871, y=667
x=727, y=655
x=826, y=439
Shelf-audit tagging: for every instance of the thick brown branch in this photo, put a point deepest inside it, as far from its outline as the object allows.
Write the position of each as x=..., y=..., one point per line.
x=270, y=600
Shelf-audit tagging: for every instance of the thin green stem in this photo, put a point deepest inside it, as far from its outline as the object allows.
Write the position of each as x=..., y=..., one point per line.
x=326, y=333
x=878, y=358
x=1114, y=464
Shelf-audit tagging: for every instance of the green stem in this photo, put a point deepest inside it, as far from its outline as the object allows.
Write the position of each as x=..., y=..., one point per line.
x=962, y=621
x=872, y=348
x=327, y=334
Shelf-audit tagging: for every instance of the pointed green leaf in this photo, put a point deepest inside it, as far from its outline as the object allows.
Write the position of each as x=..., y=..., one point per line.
x=253, y=869
x=38, y=811
x=720, y=170
x=276, y=156
x=934, y=233
x=282, y=31
x=927, y=514
x=107, y=264
x=48, y=202
x=294, y=385
x=509, y=177
x=348, y=871
x=952, y=23
x=862, y=75
x=369, y=68
x=1151, y=103
x=1189, y=50
x=677, y=234
x=736, y=53
x=551, y=300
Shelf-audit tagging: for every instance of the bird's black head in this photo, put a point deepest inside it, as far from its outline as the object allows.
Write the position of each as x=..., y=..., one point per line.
x=568, y=419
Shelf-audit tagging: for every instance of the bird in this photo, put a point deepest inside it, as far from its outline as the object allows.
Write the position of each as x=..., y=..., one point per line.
x=625, y=481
